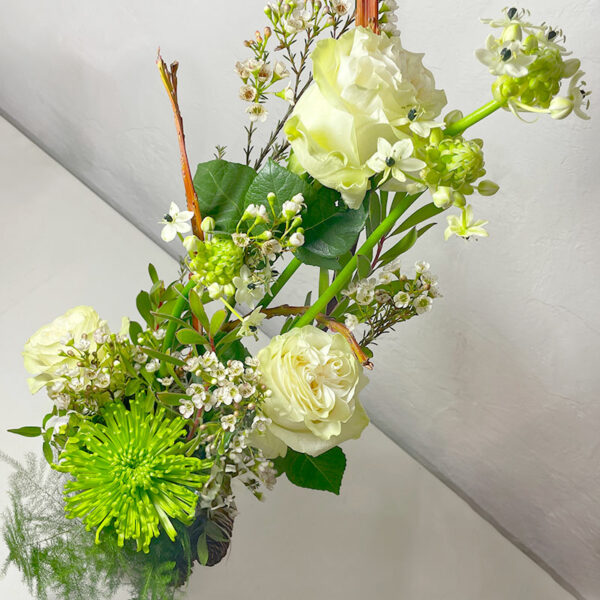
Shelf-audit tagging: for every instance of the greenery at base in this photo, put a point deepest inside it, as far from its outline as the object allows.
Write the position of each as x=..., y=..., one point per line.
x=59, y=558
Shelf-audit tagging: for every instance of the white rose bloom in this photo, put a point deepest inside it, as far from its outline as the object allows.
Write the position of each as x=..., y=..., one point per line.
x=42, y=351
x=365, y=87
x=315, y=379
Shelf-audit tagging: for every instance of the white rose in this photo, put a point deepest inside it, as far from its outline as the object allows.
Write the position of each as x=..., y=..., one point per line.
x=42, y=351
x=315, y=379
x=365, y=87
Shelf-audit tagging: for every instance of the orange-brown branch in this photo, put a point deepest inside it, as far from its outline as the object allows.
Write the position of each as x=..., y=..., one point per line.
x=367, y=14
x=169, y=79
x=286, y=311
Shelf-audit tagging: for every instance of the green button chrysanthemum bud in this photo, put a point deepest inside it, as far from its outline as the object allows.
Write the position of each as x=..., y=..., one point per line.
x=217, y=262
x=454, y=162
x=131, y=474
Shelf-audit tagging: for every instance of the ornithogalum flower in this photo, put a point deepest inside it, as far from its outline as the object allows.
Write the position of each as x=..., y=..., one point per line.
x=131, y=474
x=464, y=226
x=175, y=221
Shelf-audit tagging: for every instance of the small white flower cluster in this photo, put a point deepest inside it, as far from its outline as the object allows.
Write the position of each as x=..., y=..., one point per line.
x=91, y=363
x=230, y=395
x=388, y=298
x=291, y=17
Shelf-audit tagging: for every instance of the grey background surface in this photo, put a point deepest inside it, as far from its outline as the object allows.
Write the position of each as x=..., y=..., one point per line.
x=496, y=390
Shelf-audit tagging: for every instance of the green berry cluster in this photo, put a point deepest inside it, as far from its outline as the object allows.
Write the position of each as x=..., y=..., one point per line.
x=541, y=83
x=216, y=263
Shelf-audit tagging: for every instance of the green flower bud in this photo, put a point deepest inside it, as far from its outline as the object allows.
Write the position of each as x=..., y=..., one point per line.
x=217, y=261
x=560, y=107
x=452, y=117
x=512, y=33
x=454, y=163
x=487, y=187
x=208, y=225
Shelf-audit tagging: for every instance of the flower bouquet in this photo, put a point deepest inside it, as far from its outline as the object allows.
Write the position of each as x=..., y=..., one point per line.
x=153, y=428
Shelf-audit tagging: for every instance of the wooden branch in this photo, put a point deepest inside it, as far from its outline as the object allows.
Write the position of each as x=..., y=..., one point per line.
x=169, y=79
x=287, y=311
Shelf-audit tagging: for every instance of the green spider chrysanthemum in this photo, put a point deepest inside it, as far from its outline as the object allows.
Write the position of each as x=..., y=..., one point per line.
x=132, y=473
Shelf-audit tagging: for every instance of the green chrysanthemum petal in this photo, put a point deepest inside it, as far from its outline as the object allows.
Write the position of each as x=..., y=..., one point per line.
x=131, y=473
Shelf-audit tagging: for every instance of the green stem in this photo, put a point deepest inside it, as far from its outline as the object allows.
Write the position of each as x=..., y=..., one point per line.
x=281, y=281
x=345, y=275
x=477, y=115
x=323, y=280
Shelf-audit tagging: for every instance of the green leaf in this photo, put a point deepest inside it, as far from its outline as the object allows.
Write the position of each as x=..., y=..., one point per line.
x=221, y=187
x=323, y=472
x=170, y=398
x=153, y=274
x=135, y=330
x=168, y=317
x=233, y=351
x=144, y=306
x=214, y=532
x=336, y=233
x=216, y=322
x=310, y=258
x=27, y=431
x=278, y=180
x=364, y=266
x=48, y=454
x=163, y=357
x=405, y=244
x=375, y=213
x=191, y=337
x=202, y=549
x=422, y=214
x=198, y=309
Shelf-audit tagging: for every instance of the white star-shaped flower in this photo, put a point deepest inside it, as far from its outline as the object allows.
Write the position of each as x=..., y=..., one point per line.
x=395, y=160
x=464, y=226
x=175, y=221
x=504, y=59
x=251, y=323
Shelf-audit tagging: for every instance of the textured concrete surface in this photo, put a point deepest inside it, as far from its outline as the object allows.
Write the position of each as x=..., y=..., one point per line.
x=395, y=532
x=497, y=390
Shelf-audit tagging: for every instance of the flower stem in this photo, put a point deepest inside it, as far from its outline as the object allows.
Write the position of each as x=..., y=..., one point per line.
x=281, y=281
x=477, y=115
x=345, y=275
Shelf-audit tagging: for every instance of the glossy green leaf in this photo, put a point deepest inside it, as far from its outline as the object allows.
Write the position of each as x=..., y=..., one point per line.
x=48, y=454
x=310, y=258
x=221, y=187
x=323, y=472
x=335, y=233
x=363, y=266
x=277, y=180
x=170, y=398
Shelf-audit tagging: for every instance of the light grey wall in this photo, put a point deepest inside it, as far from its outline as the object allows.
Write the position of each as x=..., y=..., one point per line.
x=497, y=390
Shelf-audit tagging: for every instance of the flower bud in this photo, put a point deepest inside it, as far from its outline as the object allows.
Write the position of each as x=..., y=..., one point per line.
x=190, y=243
x=296, y=239
x=208, y=225
x=487, y=187
x=560, y=108
x=443, y=197
x=453, y=116
x=512, y=33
